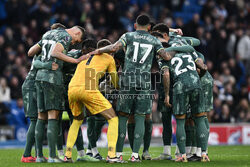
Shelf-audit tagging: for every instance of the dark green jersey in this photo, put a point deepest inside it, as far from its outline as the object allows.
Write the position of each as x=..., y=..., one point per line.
x=47, y=43
x=29, y=82
x=207, y=77
x=141, y=47
x=183, y=48
x=183, y=72
x=69, y=68
x=188, y=40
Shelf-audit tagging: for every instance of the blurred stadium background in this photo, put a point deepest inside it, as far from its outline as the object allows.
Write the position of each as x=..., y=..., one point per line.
x=222, y=26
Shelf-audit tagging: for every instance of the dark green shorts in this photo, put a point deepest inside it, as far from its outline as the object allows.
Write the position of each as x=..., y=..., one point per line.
x=192, y=99
x=139, y=100
x=98, y=117
x=49, y=97
x=29, y=102
x=207, y=100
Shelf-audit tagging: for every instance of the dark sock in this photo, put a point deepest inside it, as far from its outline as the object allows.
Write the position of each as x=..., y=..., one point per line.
x=52, y=134
x=207, y=125
x=167, y=128
x=89, y=146
x=30, y=138
x=60, y=133
x=202, y=132
x=98, y=128
x=39, y=136
x=139, y=132
x=79, y=141
x=194, y=138
x=121, y=132
x=147, y=134
x=131, y=129
x=189, y=135
x=181, y=135
x=91, y=131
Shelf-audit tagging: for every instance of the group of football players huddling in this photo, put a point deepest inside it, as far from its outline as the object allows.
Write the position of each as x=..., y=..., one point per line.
x=77, y=81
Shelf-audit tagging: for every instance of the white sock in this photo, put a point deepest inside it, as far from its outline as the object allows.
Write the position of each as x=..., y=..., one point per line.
x=167, y=149
x=94, y=151
x=136, y=155
x=118, y=154
x=188, y=149
x=207, y=151
x=88, y=151
x=60, y=152
x=193, y=150
x=177, y=150
x=81, y=153
x=198, y=152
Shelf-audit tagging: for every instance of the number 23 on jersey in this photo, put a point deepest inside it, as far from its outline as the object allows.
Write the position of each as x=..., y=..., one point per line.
x=190, y=64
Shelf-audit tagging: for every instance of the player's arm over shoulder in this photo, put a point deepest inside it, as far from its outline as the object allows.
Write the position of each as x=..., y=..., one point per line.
x=166, y=55
x=180, y=48
x=57, y=52
x=121, y=43
x=35, y=49
x=199, y=64
x=159, y=49
x=192, y=41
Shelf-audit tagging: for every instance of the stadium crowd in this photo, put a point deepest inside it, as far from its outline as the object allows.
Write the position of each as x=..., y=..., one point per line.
x=221, y=26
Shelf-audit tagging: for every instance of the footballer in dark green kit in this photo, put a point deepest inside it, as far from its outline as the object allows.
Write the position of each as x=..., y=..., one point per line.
x=179, y=44
x=49, y=84
x=186, y=91
x=140, y=48
x=30, y=103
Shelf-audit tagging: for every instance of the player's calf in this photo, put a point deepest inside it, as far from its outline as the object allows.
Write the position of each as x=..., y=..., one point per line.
x=147, y=137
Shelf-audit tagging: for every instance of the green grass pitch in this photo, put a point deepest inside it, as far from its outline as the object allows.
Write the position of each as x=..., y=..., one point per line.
x=219, y=155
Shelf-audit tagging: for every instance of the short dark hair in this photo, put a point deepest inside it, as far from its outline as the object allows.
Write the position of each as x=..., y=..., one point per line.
x=57, y=25
x=161, y=27
x=156, y=34
x=143, y=20
x=103, y=43
x=82, y=30
x=152, y=25
x=165, y=44
x=89, y=43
